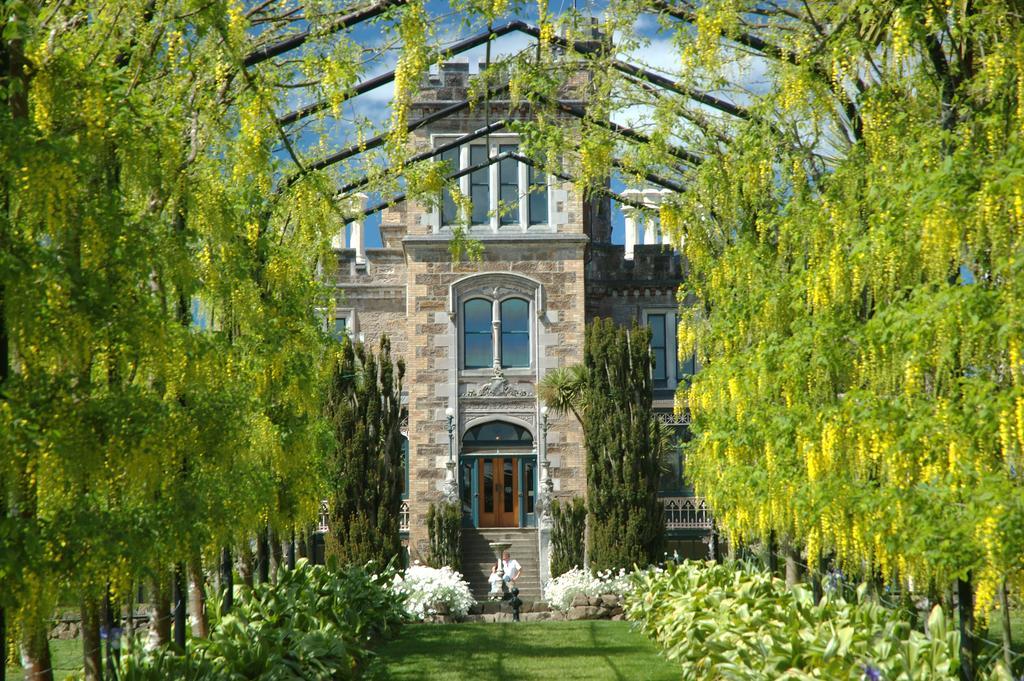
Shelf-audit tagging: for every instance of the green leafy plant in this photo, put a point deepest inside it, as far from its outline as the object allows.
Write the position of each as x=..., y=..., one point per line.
x=567, y=535
x=444, y=526
x=736, y=622
x=315, y=623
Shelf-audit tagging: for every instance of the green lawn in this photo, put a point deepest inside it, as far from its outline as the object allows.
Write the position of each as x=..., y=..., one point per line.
x=525, y=651
x=67, y=659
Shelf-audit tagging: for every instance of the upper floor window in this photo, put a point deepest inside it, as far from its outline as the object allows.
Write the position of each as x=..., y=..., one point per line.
x=479, y=185
x=507, y=194
x=449, y=211
x=508, y=187
x=668, y=371
x=538, y=202
x=496, y=329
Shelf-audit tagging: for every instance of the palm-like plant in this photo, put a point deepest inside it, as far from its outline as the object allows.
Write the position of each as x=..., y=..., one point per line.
x=562, y=389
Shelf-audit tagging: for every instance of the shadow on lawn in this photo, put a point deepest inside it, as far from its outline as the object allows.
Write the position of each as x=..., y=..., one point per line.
x=476, y=652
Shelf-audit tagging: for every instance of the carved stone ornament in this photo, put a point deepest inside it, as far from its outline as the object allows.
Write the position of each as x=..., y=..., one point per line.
x=498, y=386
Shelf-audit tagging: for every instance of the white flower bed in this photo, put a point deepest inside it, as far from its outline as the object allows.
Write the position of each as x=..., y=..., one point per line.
x=560, y=591
x=427, y=587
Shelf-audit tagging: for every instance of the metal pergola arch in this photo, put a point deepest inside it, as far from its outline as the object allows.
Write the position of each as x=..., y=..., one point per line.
x=639, y=74
x=491, y=160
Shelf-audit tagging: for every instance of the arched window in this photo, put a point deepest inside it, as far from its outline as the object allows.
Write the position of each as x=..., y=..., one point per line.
x=515, y=333
x=494, y=434
x=476, y=329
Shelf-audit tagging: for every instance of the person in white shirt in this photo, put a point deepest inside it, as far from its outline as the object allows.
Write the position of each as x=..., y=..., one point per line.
x=511, y=568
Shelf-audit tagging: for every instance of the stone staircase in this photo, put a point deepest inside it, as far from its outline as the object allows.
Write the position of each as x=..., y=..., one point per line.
x=478, y=558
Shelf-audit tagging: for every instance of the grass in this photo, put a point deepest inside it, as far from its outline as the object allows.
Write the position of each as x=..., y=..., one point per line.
x=525, y=651
x=66, y=656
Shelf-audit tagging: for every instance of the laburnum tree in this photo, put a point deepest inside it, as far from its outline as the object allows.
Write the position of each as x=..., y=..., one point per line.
x=365, y=467
x=159, y=294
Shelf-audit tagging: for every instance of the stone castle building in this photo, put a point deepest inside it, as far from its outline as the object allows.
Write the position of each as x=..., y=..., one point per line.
x=478, y=336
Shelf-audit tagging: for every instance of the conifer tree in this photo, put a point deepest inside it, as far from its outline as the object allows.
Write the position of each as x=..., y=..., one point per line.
x=567, y=535
x=365, y=470
x=624, y=447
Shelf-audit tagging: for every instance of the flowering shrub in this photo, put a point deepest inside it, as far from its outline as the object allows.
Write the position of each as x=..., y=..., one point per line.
x=560, y=591
x=425, y=588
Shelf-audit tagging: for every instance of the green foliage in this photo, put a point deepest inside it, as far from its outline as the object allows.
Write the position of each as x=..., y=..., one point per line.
x=444, y=528
x=567, y=535
x=734, y=622
x=313, y=624
x=365, y=469
x=624, y=446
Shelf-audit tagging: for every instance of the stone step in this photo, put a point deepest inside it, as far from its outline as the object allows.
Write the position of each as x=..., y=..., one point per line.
x=478, y=558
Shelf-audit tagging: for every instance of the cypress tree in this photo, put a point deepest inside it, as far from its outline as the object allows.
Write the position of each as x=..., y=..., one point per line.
x=444, y=527
x=624, y=444
x=567, y=535
x=365, y=468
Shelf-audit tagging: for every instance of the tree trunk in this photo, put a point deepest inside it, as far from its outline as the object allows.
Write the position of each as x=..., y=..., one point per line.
x=246, y=564
x=1004, y=611
x=792, y=563
x=263, y=555
x=817, y=589
x=129, y=625
x=160, y=617
x=303, y=545
x=968, y=642
x=276, y=554
x=92, y=644
x=35, y=652
x=227, y=581
x=773, y=555
x=179, y=598
x=197, y=599
x=291, y=551
x=3, y=629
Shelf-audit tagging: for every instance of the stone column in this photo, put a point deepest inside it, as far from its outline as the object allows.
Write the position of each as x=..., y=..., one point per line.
x=358, y=235
x=631, y=231
x=496, y=335
x=650, y=230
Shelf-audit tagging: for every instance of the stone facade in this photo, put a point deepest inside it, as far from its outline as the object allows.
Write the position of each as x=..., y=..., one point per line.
x=411, y=289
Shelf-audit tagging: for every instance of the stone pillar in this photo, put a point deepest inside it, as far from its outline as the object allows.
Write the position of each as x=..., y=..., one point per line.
x=650, y=230
x=631, y=231
x=358, y=231
x=544, y=554
x=338, y=240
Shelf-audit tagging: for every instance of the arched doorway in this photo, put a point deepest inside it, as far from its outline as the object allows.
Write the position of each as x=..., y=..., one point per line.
x=499, y=475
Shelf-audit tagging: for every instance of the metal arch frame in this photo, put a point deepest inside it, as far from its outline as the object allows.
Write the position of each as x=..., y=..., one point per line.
x=570, y=109
x=533, y=31
x=267, y=52
x=399, y=198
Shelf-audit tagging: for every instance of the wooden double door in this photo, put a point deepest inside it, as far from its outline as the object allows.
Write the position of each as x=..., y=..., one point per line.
x=498, y=487
x=504, y=490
